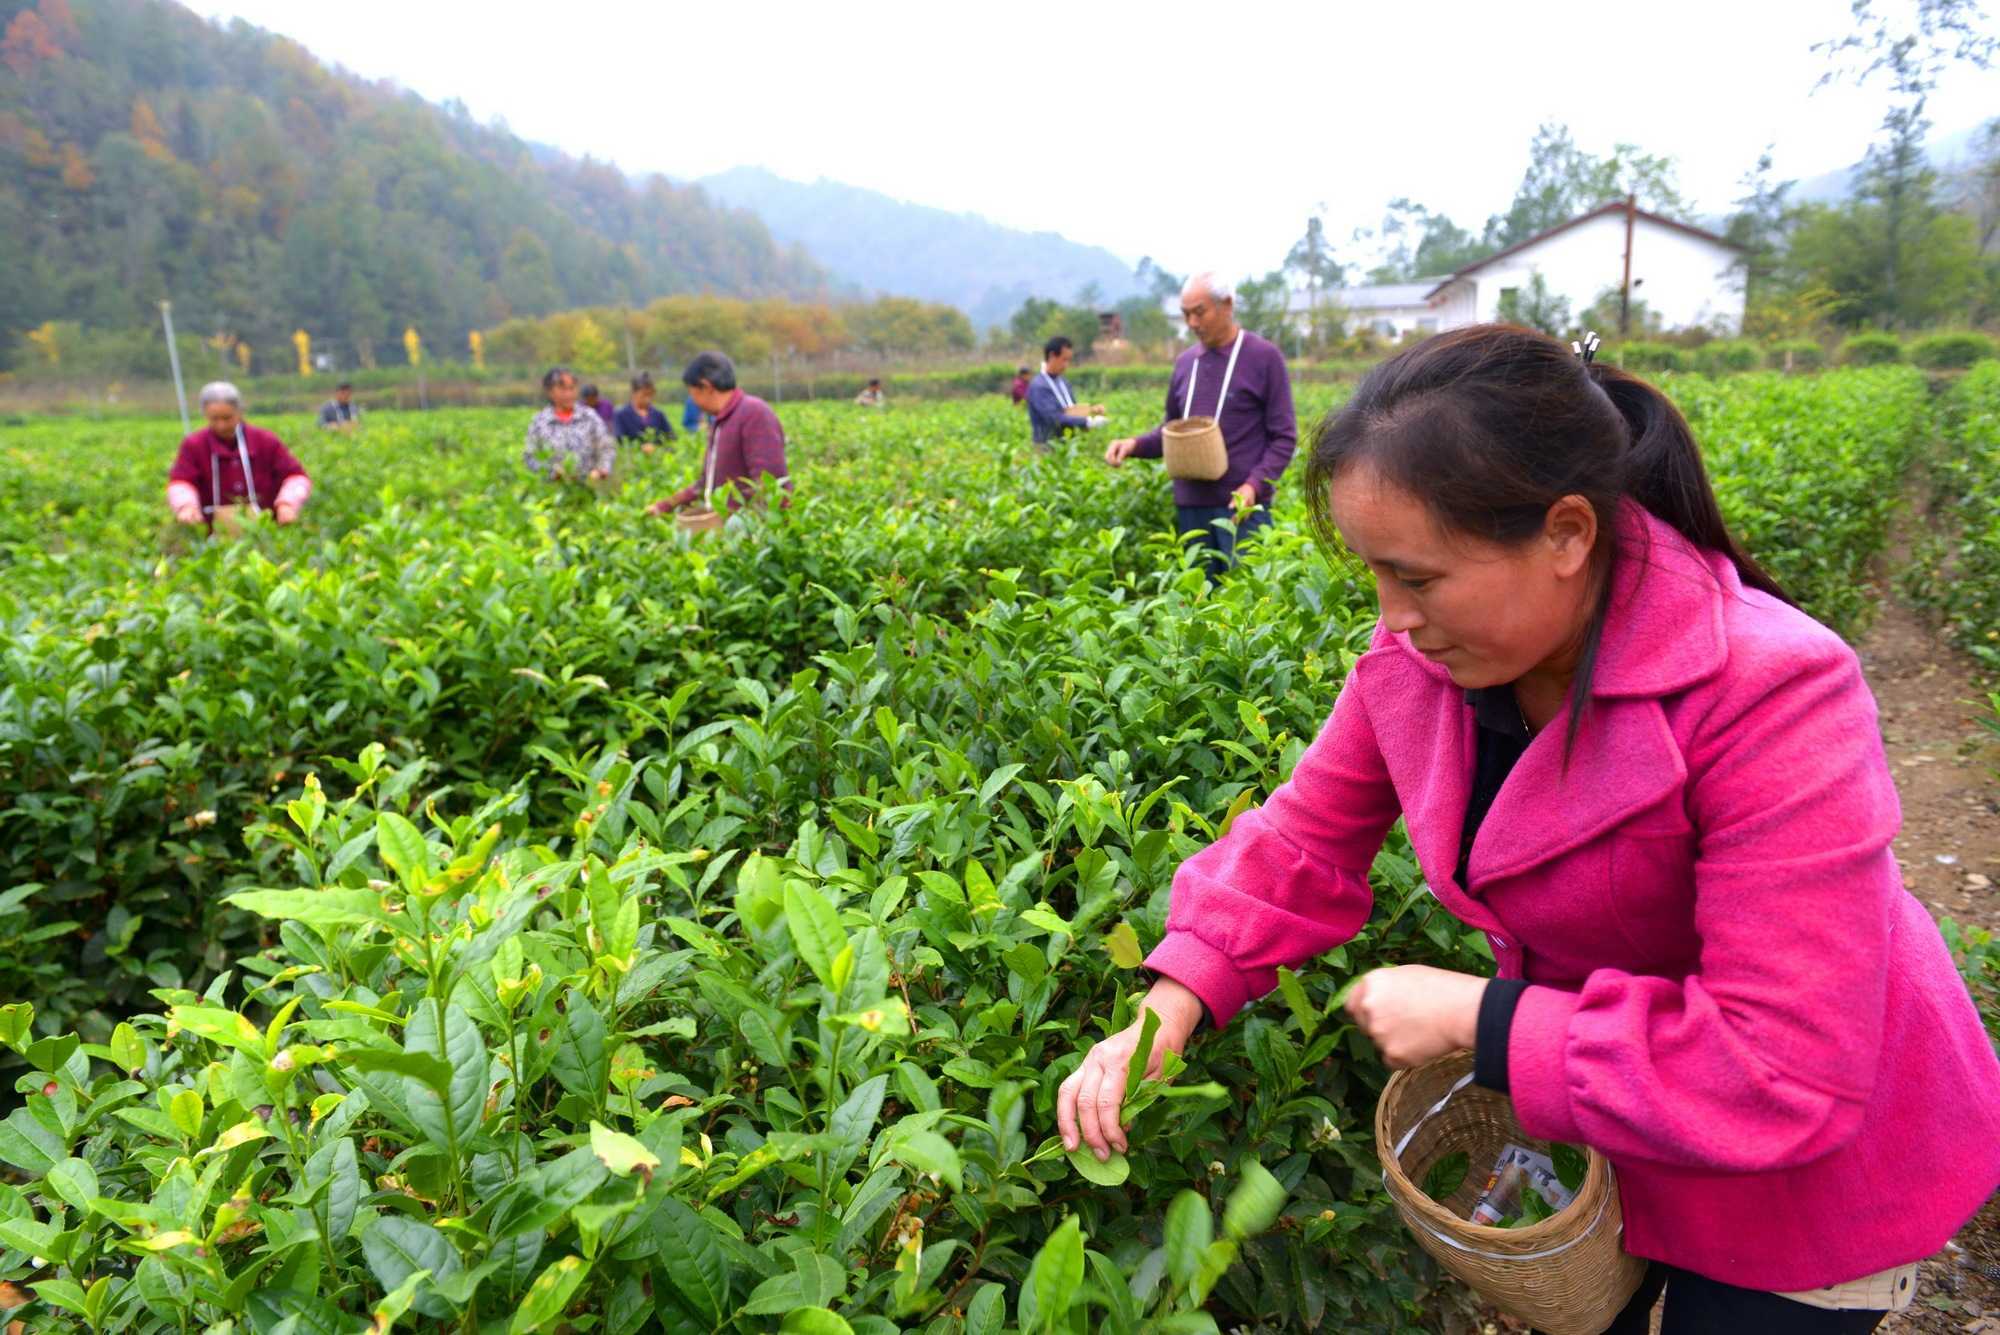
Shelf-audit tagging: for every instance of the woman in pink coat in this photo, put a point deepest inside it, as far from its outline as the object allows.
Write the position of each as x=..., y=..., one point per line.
x=1659, y=789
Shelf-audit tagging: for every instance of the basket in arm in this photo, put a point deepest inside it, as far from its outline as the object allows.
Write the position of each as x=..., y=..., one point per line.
x=1566, y=1275
x=1192, y=448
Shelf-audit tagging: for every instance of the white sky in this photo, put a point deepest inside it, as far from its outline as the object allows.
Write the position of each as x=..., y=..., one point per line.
x=1200, y=134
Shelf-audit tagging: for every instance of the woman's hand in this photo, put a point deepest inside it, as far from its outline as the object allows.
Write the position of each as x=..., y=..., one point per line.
x=1118, y=451
x=1415, y=1013
x=1087, y=1104
x=187, y=514
x=285, y=512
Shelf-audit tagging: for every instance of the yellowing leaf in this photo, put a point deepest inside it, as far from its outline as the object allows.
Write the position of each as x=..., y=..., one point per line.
x=1122, y=944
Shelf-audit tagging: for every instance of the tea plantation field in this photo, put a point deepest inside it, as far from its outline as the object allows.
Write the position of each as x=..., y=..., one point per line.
x=480, y=907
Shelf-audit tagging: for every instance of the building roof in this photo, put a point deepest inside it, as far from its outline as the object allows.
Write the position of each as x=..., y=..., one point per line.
x=1616, y=206
x=1370, y=297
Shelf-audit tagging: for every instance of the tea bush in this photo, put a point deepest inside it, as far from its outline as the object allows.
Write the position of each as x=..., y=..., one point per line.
x=1870, y=349
x=1952, y=351
x=596, y=924
x=1644, y=357
x=1957, y=570
x=1728, y=354
x=1795, y=354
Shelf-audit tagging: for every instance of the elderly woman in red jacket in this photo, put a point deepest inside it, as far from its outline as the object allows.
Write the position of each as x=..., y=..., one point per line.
x=1658, y=788
x=229, y=462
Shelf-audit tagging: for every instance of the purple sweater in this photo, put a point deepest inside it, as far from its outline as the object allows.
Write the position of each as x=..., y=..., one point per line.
x=1257, y=422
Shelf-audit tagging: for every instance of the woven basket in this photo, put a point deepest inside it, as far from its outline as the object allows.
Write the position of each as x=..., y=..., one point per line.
x=698, y=519
x=1192, y=448
x=228, y=521
x=1567, y=1275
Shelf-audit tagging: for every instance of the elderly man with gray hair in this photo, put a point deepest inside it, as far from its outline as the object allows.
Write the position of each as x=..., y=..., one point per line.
x=230, y=465
x=1238, y=380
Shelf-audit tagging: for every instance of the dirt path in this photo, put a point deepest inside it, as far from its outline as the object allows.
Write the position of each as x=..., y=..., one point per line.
x=1948, y=776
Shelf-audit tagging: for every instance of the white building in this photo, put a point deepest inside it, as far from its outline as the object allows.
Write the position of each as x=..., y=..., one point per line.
x=1390, y=310
x=1685, y=276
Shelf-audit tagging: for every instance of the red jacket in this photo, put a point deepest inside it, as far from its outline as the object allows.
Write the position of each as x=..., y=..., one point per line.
x=205, y=458
x=744, y=443
x=1734, y=998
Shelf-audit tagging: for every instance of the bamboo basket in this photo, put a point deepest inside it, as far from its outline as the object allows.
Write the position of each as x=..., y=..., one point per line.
x=698, y=519
x=1192, y=448
x=1568, y=1274
x=227, y=521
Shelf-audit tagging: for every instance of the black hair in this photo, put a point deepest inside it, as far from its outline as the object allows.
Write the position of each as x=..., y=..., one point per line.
x=345, y=384
x=714, y=367
x=643, y=380
x=875, y=384
x=553, y=374
x=588, y=391
x=1054, y=346
x=1490, y=425
x=1022, y=371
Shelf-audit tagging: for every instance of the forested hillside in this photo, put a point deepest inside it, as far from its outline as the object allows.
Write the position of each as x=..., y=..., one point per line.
x=147, y=153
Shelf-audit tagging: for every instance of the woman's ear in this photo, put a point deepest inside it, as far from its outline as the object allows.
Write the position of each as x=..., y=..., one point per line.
x=1570, y=530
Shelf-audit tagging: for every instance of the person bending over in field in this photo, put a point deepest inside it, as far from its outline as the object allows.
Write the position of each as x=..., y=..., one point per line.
x=745, y=441
x=1052, y=409
x=600, y=405
x=567, y=443
x=639, y=421
x=1239, y=381
x=871, y=396
x=1657, y=788
x=229, y=467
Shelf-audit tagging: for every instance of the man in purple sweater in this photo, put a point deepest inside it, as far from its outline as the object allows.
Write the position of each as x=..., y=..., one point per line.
x=745, y=442
x=1240, y=380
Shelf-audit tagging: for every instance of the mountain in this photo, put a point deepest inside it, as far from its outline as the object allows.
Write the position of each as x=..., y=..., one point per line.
x=148, y=153
x=1945, y=153
x=887, y=245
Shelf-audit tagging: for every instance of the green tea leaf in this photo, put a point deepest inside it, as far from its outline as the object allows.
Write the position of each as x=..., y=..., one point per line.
x=1054, y=1279
x=1254, y=1204
x=1190, y=1228
x=815, y=929
x=1571, y=1165
x=1111, y=1173
x=692, y=1258
x=398, y=1246
x=1447, y=1175
x=315, y=908
x=815, y=1321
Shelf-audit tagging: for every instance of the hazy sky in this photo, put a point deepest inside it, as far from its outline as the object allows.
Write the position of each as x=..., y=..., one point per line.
x=1200, y=134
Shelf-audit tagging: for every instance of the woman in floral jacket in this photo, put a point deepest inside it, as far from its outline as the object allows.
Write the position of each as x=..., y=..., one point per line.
x=565, y=443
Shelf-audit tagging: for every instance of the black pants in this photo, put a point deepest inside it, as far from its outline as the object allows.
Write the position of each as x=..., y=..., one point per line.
x=1699, y=1306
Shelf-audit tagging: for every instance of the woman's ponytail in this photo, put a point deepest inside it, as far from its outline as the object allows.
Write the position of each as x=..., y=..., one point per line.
x=1664, y=473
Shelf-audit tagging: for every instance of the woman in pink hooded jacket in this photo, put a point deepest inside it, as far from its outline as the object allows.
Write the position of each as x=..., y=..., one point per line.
x=1659, y=789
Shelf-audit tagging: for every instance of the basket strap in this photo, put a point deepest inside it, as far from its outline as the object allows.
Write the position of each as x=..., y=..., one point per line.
x=1435, y=1109
x=1229, y=373
x=1455, y=1244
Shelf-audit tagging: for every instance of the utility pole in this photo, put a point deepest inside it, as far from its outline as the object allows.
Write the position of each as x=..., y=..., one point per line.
x=174, y=360
x=1625, y=286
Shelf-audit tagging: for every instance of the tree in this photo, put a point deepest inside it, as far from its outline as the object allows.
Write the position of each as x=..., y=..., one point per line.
x=1758, y=226
x=1563, y=181
x=1312, y=260
x=1260, y=307
x=1154, y=281
x=1420, y=244
x=1841, y=248
x=1912, y=48
x=528, y=275
x=1975, y=189
x=1536, y=307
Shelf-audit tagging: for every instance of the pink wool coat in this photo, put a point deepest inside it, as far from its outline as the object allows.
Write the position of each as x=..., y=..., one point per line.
x=1734, y=998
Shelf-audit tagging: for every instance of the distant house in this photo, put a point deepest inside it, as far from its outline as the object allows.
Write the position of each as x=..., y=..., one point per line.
x=1389, y=310
x=1686, y=276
